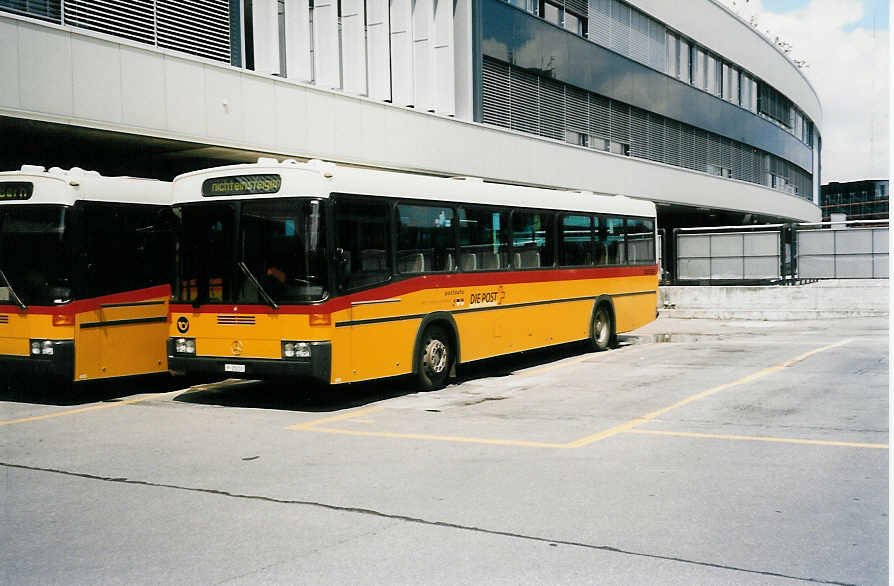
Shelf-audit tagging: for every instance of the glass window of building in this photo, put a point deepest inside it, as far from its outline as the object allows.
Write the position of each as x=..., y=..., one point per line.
x=575, y=23
x=672, y=66
x=683, y=70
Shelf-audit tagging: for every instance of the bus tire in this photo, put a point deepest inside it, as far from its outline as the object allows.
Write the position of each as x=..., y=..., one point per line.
x=436, y=356
x=602, y=328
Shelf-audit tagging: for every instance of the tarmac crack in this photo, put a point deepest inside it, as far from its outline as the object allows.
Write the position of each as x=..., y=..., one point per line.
x=422, y=521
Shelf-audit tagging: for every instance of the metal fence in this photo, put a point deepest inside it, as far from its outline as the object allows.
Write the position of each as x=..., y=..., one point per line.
x=777, y=253
x=842, y=250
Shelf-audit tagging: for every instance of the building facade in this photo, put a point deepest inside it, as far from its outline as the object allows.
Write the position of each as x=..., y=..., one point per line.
x=856, y=200
x=692, y=109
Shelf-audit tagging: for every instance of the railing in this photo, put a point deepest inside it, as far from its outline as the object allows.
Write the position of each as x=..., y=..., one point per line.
x=779, y=253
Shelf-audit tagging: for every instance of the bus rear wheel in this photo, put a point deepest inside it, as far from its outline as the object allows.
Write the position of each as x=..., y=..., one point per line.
x=602, y=332
x=435, y=359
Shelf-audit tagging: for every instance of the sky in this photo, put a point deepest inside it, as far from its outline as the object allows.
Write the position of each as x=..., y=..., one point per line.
x=846, y=46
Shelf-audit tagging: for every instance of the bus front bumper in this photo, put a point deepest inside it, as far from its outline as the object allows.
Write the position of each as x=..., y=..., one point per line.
x=318, y=366
x=58, y=365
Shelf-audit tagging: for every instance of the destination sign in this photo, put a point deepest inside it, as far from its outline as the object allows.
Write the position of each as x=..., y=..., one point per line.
x=16, y=190
x=241, y=185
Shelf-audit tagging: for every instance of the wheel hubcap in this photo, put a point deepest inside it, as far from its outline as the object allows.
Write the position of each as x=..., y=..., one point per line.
x=601, y=327
x=435, y=358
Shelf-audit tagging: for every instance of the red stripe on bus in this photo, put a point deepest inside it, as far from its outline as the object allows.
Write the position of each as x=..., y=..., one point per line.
x=431, y=281
x=93, y=303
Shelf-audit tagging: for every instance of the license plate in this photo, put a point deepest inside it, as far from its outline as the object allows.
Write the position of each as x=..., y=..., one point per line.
x=234, y=368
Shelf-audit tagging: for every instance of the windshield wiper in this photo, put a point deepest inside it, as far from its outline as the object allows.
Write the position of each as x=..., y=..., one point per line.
x=244, y=268
x=12, y=292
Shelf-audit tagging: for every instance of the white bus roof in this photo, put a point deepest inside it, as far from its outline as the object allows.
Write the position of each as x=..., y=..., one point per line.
x=320, y=179
x=65, y=187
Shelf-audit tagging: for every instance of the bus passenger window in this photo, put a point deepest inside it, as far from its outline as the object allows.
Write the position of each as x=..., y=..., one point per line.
x=425, y=242
x=576, y=233
x=640, y=241
x=361, y=237
x=614, y=241
x=600, y=245
x=483, y=239
x=532, y=240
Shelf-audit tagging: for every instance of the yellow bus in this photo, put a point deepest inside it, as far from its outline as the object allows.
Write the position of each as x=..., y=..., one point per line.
x=84, y=274
x=348, y=274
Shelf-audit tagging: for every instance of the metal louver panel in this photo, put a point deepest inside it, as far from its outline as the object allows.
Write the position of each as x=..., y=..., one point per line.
x=656, y=137
x=639, y=36
x=620, y=28
x=687, y=146
x=639, y=133
x=600, y=116
x=600, y=22
x=673, y=143
x=495, y=93
x=738, y=160
x=713, y=150
x=579, y=7
x=576, y=109
x=524, y=101
x=620, y=122
x=700, y=141
x=130, y=19
x=194, y=26
x=726, y=153
x=552, y=109
x=657, y=45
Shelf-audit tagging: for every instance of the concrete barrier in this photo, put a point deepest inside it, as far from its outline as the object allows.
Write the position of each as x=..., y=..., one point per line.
x=823, y=299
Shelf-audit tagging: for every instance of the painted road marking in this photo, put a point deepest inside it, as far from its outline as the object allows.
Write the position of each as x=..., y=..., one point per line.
x=626, y=427
x=104, y=405
x=752, y=438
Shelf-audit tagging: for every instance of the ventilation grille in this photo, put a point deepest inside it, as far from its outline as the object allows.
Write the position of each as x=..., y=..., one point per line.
x=130, y=19
x=235, y=320
x=195, y=26
x=4, y=319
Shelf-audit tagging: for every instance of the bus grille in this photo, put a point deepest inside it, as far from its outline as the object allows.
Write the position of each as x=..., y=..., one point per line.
x=235, y=320
x=4, y=319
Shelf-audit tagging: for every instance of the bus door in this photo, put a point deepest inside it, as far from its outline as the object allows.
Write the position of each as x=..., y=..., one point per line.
x=125, y=264
x=370, y=338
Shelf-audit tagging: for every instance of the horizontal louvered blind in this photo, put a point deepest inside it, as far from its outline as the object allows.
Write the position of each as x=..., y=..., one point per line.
x=130, y=19
x=200, y=27
x=524, y=101
x=495, y=93
x=578, y=7
x=552, y=109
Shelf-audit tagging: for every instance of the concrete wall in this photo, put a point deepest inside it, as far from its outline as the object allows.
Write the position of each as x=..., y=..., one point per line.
x=56, y=74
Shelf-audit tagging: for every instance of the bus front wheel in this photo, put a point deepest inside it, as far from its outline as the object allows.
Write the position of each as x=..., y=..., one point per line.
x=435, y=359
x=602, y=334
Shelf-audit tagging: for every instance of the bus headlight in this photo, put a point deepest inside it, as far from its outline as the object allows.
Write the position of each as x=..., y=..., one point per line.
x=295, y=350
x=42, y=348
x=185, y=345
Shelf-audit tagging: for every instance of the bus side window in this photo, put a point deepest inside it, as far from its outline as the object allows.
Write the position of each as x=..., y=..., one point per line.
x=640, y=241
x=361, y=240
x=533, y=240
x=425, y=240
x=614, y=241
x=483, y=239
x=576, y=234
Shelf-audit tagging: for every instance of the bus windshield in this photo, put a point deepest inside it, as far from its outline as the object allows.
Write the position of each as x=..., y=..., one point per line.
x=35, y=254
x=280, y=241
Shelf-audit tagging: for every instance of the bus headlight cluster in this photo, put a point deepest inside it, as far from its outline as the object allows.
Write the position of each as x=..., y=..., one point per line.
x=42, y=348
x=295, y=350
x=185, y=345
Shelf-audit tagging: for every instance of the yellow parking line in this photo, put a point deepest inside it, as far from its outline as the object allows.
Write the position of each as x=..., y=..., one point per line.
x=439, y=438
x=752, y=438
x=98, y=407
x=334, y=418
x=627, y=426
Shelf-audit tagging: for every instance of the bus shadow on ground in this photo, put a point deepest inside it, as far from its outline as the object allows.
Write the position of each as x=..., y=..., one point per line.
x=42, y=392
x=313, y=397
